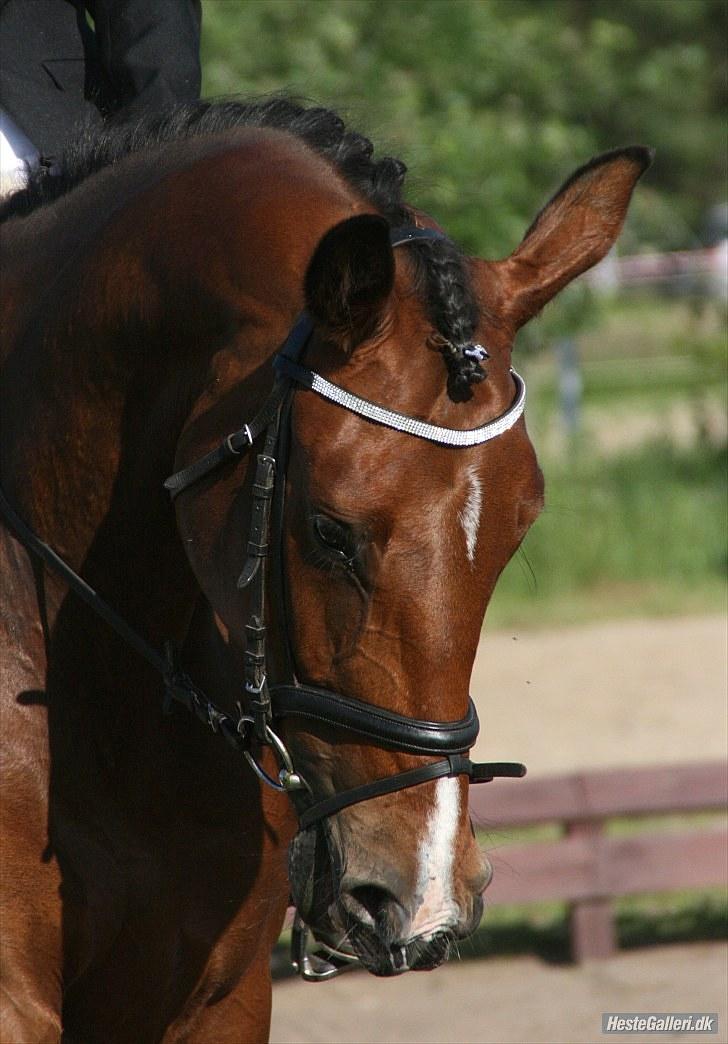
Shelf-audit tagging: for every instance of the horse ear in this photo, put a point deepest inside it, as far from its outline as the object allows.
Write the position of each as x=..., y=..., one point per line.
x=572, y=232
x=349, y=279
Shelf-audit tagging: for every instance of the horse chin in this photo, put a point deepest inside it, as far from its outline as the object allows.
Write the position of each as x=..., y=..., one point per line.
x=415, y=955
x=361, y=942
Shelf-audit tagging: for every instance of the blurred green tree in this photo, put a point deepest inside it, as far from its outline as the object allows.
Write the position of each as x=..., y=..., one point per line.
x=493, y=102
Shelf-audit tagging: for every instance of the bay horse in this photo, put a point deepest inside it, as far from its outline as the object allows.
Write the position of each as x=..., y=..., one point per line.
x=313, y=590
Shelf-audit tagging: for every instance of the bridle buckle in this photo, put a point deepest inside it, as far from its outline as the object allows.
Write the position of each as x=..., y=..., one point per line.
x=227, y=442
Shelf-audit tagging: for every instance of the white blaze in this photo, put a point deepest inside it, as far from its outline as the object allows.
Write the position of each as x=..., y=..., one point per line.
x=470, y=515
x=436, y=857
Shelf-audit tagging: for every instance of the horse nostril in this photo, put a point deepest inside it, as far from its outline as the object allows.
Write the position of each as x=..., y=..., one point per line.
x=377, y=907
x=372, y=898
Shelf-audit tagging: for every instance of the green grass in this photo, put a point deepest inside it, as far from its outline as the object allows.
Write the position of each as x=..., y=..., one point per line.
x=636, y=509
x=620, y=826
x=638, y=329
x=644, y=326
x=640, y=533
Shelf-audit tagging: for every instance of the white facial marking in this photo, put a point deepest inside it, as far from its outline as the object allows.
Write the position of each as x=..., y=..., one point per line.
x=470, y=515
x=435, y=860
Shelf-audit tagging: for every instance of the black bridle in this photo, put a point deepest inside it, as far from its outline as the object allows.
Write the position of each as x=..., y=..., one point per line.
x=266, y=703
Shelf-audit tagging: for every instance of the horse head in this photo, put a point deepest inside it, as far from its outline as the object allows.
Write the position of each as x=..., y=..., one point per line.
x=387, y=545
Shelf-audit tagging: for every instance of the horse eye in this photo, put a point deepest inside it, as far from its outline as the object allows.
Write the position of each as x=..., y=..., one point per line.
x=333, y=535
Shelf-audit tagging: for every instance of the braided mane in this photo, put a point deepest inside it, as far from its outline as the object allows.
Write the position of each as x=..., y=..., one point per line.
x=441, y=272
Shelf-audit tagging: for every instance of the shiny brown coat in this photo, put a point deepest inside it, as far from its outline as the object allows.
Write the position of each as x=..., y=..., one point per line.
x=144, y=870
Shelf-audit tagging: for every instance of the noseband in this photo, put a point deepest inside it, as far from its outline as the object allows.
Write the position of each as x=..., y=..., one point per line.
x=266, y=704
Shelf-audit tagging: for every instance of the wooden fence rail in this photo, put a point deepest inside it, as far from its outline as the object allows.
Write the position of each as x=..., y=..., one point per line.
x=588, y=868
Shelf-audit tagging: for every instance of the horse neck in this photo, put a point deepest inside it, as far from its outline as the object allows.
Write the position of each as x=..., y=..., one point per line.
x=153, y=307
x=82, y=468
x=93, y=401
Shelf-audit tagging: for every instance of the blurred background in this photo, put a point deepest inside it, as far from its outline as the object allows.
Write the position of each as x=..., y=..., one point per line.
x=605, y=642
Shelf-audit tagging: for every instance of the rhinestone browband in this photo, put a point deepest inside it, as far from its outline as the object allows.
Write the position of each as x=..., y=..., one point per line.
x=286, y=366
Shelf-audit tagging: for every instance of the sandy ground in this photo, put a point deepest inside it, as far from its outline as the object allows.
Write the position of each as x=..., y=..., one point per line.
x=519, y=1000
x=620, y=693
x=610, y=694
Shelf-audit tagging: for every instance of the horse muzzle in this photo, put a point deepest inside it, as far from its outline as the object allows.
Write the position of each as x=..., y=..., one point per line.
x=376, y=945
x=367, y=920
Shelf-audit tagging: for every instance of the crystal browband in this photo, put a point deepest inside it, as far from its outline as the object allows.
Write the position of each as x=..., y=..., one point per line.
x=372, y=411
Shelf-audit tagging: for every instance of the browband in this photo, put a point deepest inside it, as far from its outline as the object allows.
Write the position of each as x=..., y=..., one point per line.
x=288, y=369
x=372, y=411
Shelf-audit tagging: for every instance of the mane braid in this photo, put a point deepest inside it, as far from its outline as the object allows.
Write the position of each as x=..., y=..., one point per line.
x=454, y=312
x=439, y=266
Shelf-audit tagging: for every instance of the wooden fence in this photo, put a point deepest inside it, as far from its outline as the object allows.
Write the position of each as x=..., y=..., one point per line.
x=586, y=867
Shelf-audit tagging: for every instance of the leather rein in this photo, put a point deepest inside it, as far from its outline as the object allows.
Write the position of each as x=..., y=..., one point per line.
x=266, y=703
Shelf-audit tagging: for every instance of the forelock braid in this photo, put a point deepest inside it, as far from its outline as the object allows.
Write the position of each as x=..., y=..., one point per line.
x=454, y=311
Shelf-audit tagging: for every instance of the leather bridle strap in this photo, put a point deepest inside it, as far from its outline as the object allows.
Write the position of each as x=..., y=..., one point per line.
x=237, y=442
x=411, y=234
x=454, y=765
x=373, y=723
x=178, y=687
x=56, y=564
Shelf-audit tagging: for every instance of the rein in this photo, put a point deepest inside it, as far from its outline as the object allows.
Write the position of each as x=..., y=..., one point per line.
x=266, y=703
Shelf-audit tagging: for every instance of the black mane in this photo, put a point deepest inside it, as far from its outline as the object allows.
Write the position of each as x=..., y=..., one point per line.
x=441, y=269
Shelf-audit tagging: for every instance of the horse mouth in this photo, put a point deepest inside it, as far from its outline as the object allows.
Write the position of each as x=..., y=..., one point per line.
x=419, y=954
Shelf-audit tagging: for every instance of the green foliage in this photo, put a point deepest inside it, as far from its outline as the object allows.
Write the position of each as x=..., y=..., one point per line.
x=493, y=102
x=630, y=526
x=643, y=531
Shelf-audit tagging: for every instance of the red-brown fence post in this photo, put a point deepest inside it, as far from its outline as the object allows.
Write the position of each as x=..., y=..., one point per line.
x=592, y=932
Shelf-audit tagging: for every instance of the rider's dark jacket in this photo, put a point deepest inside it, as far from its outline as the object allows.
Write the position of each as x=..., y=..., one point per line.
x=70, y=62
